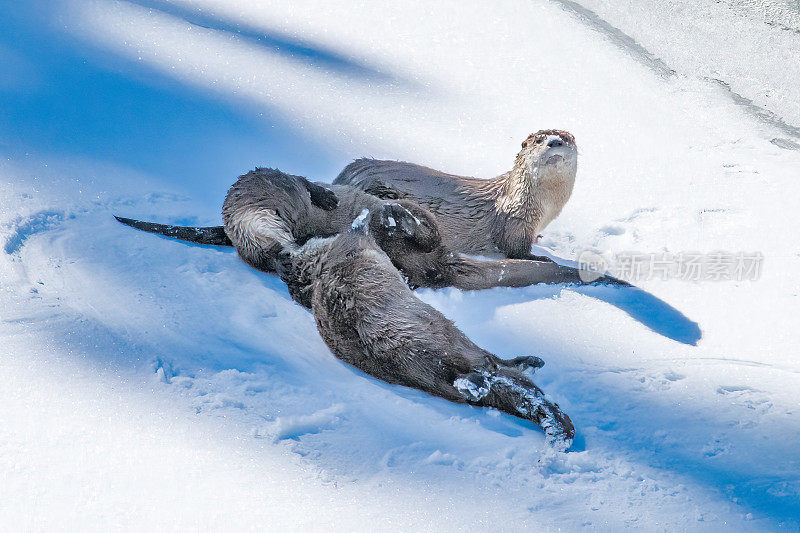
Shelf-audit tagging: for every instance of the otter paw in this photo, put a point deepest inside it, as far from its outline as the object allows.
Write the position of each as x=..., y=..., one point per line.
x=397, y=220
x=525, y=362
x=556, y=424
x=558, y=428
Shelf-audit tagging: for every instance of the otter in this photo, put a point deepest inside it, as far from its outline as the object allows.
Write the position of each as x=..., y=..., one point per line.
x=505, y=214
x=370, y=318
x=267, y=211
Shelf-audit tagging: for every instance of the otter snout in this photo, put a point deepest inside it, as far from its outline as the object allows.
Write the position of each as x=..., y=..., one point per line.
x=557, y=148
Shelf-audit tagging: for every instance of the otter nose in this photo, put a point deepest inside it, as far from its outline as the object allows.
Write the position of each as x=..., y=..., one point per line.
x=555, y=142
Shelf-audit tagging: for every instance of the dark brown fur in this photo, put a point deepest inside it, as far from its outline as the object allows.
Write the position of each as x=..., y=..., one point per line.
x=369, y=318
x=505, y=214
x=267, y=211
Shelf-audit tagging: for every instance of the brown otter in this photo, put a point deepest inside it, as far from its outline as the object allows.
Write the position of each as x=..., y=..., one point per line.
x=267, y=211
x=369, y=318
x=505, y=214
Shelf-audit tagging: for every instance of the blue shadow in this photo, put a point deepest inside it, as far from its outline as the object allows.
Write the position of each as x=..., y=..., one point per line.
x=112, y=109
x=281, y=44
x=649, y=310
x=64, y=98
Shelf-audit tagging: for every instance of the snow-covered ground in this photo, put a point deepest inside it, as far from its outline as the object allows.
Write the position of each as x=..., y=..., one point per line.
x=150, y=384
x=749, y=47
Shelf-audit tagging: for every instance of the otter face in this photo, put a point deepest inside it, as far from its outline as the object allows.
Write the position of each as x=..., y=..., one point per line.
x=549, y=147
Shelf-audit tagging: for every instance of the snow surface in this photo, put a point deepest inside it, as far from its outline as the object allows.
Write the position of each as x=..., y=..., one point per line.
x=749, y=47
x=149, y=384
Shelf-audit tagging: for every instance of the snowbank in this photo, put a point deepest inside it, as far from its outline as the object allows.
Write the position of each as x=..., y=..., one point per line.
x=149, y=382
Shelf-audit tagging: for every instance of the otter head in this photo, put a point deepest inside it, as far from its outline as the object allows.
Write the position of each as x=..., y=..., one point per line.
x=541, y=181
x=549, y=147
x=545, y=170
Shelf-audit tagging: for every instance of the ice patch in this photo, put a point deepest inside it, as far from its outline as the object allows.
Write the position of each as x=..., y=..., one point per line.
x=360, y=220
x=470, y=389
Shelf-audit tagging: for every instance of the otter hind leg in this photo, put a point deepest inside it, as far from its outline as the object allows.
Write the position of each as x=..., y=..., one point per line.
x=513, y=393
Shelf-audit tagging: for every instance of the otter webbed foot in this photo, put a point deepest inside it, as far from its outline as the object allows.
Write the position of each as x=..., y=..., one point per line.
x=397, y=220
x=524, y=362
x=512, y=392
x=556, y=424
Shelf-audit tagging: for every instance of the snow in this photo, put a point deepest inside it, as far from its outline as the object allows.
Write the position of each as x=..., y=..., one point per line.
x=361, y=219
x=471, y=389
x=747, y=46
x=150, y=384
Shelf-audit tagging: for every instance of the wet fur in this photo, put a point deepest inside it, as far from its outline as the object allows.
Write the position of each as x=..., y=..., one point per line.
x=369, y=318
x=267, y=211
x=505, y=214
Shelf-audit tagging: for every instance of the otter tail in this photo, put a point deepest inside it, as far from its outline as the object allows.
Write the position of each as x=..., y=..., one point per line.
x=203, y=235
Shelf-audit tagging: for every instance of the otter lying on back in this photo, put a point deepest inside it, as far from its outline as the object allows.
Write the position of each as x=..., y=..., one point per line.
x=370, y=319
x=505, y=214
x=267, y=211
